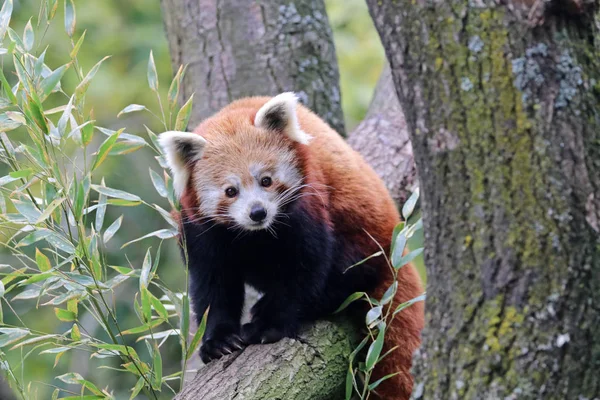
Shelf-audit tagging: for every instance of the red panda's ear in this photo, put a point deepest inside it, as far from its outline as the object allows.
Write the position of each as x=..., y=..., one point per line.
x=181, y=149
x=279, y=114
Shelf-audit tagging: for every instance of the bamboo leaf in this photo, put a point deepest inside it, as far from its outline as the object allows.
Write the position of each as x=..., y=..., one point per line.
x=50, y=209
x=183, y=116
x=373, y=314
x=101, y=210
x=64, y=315
x=158, y=368
x=161, y=234
x=75, y=333
x=12, y=335
x=112, y=229
x=398, y=248
x=70, y=17
x=375, y=348
x=5, y=13
x=105, y=148
x=42, y=261
x=409, y=206
x=52, y=81
x=389, y=293
x=159, y=183
x=152, y=75
x=145, y=274
x=197, y=339
x=407, y=258
x=353, y=297
x=131, y=108
x=28, y=36
x=77, y=46
x=119, y=194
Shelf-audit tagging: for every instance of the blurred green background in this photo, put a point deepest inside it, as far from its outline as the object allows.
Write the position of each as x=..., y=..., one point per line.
x=127, y=30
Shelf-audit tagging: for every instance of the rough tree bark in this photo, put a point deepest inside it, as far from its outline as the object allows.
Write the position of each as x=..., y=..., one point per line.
x=245, y=48
x=502, y=100
x=242, y=48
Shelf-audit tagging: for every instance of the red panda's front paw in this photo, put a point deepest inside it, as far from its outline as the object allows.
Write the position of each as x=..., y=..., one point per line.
x=253, y=334
x=213, y=349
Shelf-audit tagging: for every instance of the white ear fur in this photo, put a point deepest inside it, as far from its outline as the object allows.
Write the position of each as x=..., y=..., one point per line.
x=181, y=149
x=279, y=113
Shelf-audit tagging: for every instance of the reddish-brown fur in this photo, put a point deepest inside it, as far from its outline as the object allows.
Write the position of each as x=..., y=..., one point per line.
x=354, y=200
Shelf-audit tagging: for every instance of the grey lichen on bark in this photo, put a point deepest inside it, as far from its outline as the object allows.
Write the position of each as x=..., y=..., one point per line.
x=504, y=120
x=235, y=49
x=311, y=367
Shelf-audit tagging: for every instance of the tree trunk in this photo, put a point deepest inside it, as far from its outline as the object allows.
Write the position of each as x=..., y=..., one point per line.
x=502, y=100
x=236, y=48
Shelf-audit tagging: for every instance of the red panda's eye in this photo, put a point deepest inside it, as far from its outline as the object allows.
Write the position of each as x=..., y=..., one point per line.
x=266, y=181
x=231, y=192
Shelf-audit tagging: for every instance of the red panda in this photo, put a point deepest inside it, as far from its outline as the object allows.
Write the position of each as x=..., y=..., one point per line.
x=272, y=197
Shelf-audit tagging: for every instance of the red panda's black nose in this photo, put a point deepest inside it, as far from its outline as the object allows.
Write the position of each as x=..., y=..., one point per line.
x=257, y=213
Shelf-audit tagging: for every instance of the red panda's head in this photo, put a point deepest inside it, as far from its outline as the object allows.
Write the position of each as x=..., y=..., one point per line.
x=242, y=164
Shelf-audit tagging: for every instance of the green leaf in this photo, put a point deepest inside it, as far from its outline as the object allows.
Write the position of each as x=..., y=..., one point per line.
x=146, y=304
x=64, y=315
x=183, y=116
x=42, y=261
x=353, y=297
x=101, y=210
x=16, y=117
x=27, y=210
x=112, y=229
x=77, y=46
x=161, y=234
x=51, y=82
x=375, y=348
x=166, y=215
x=119, y=194
x=60, y=242
x=64, y=118
x=131, y=108
x=83, y=280
x=23, y=173
x=33, y=340
x=2, y=290
x=105, y=148
x=197, y=339
x=70, y=18
x=8, y=124
x=85, y=83
x=389, y=293
x=124, y=203
x=373, y=314
x=374, y=385
x=173, y=93
x=79, y=201
x=364, y=260
x=398, y=248
x=75, y=333
x=137, y=388
x=12, y=335
x=159, y=183
x=407, y=258
x=145, y=274
x=349, y=383
x=28, y=36
x=143, y=328
x=152, y=75
x=50, y=209
x=5, y=14
x=157, y=364
x=159, y=307
x=34, y=237
x=409, y=303
x=409, y=206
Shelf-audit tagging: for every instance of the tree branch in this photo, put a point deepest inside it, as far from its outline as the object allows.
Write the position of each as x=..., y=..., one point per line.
x=312, y=367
